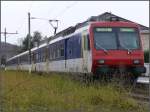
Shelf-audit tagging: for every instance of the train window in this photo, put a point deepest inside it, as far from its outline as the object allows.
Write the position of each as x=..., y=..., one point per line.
x=36, y=57
x=54, y=53
x=70, y=52
x=45, y=52
x=128, y=38
x=84, y=37
x=39, y=55
x=57, y=51
x=62, y=50
x=105, y=38
x=50, y=52
x=86, y=42
x=127, y=30
x=103, y=29
x=44, y=55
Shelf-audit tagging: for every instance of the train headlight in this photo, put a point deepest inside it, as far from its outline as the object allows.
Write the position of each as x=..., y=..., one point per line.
x=101, y=61
x=136, y=61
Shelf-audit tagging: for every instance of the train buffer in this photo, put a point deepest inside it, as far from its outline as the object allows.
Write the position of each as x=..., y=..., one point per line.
x=147, y=65
x=143, y=80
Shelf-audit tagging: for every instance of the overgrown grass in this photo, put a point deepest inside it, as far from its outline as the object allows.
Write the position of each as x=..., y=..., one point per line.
x=23, y=92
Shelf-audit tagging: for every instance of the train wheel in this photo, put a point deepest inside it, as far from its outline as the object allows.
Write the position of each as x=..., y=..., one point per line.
x=128, y=79
x=95, y=77
x=134, y=77
x=108, y=77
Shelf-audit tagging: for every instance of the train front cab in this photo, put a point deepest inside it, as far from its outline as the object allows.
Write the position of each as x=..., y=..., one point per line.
x=116, y=46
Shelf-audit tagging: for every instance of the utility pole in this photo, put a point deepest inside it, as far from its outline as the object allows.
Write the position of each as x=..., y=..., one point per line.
x=29, y=41
x=29, y=30
x=5, y=36
x=0, y=48
x=5, y=33
x=0, y=42
x=29, y=37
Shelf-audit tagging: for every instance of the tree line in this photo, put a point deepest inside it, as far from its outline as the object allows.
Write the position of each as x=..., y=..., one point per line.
x=35, y=41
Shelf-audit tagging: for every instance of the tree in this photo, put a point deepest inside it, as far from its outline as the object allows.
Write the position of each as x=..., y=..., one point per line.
x=3, y=60
x=36, y=38
x=25, y=43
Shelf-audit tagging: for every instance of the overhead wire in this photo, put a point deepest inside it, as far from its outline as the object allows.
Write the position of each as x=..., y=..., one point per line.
x=29, y=9
x=66, y=9
x=22, y=23
x=63, y=11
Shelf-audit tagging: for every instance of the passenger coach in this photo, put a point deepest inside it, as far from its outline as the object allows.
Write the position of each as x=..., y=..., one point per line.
x=95, y=48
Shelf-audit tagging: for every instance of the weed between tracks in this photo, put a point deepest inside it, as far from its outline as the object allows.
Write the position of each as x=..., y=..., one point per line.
x=23, y=92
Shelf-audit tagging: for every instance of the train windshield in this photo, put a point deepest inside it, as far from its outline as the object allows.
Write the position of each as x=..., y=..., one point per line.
x=105, y=38
x=128, y=38
x=116, y=38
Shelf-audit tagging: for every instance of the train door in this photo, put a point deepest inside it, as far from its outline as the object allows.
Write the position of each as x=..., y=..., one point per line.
x=86, y=52
x=69, y=55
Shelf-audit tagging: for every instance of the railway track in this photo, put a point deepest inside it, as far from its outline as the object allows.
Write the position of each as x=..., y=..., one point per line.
x=140, y=90
x=140, y=97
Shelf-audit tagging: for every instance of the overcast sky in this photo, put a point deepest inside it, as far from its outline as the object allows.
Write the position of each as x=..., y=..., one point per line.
x=14, y=14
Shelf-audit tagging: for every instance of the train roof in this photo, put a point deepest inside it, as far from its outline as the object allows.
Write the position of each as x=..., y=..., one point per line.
x=70, y=30
x=26, y=52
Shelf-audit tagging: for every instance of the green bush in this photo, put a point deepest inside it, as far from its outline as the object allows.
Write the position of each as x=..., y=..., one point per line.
x=146, y=56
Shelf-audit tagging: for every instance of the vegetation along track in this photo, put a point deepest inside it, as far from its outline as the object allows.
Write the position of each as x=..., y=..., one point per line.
x=25, y=92
x=140, y=92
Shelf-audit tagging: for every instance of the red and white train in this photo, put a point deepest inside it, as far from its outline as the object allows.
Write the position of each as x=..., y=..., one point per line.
x=95, y=48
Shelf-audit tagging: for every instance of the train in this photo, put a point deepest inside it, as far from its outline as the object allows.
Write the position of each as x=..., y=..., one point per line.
x=95, y=48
